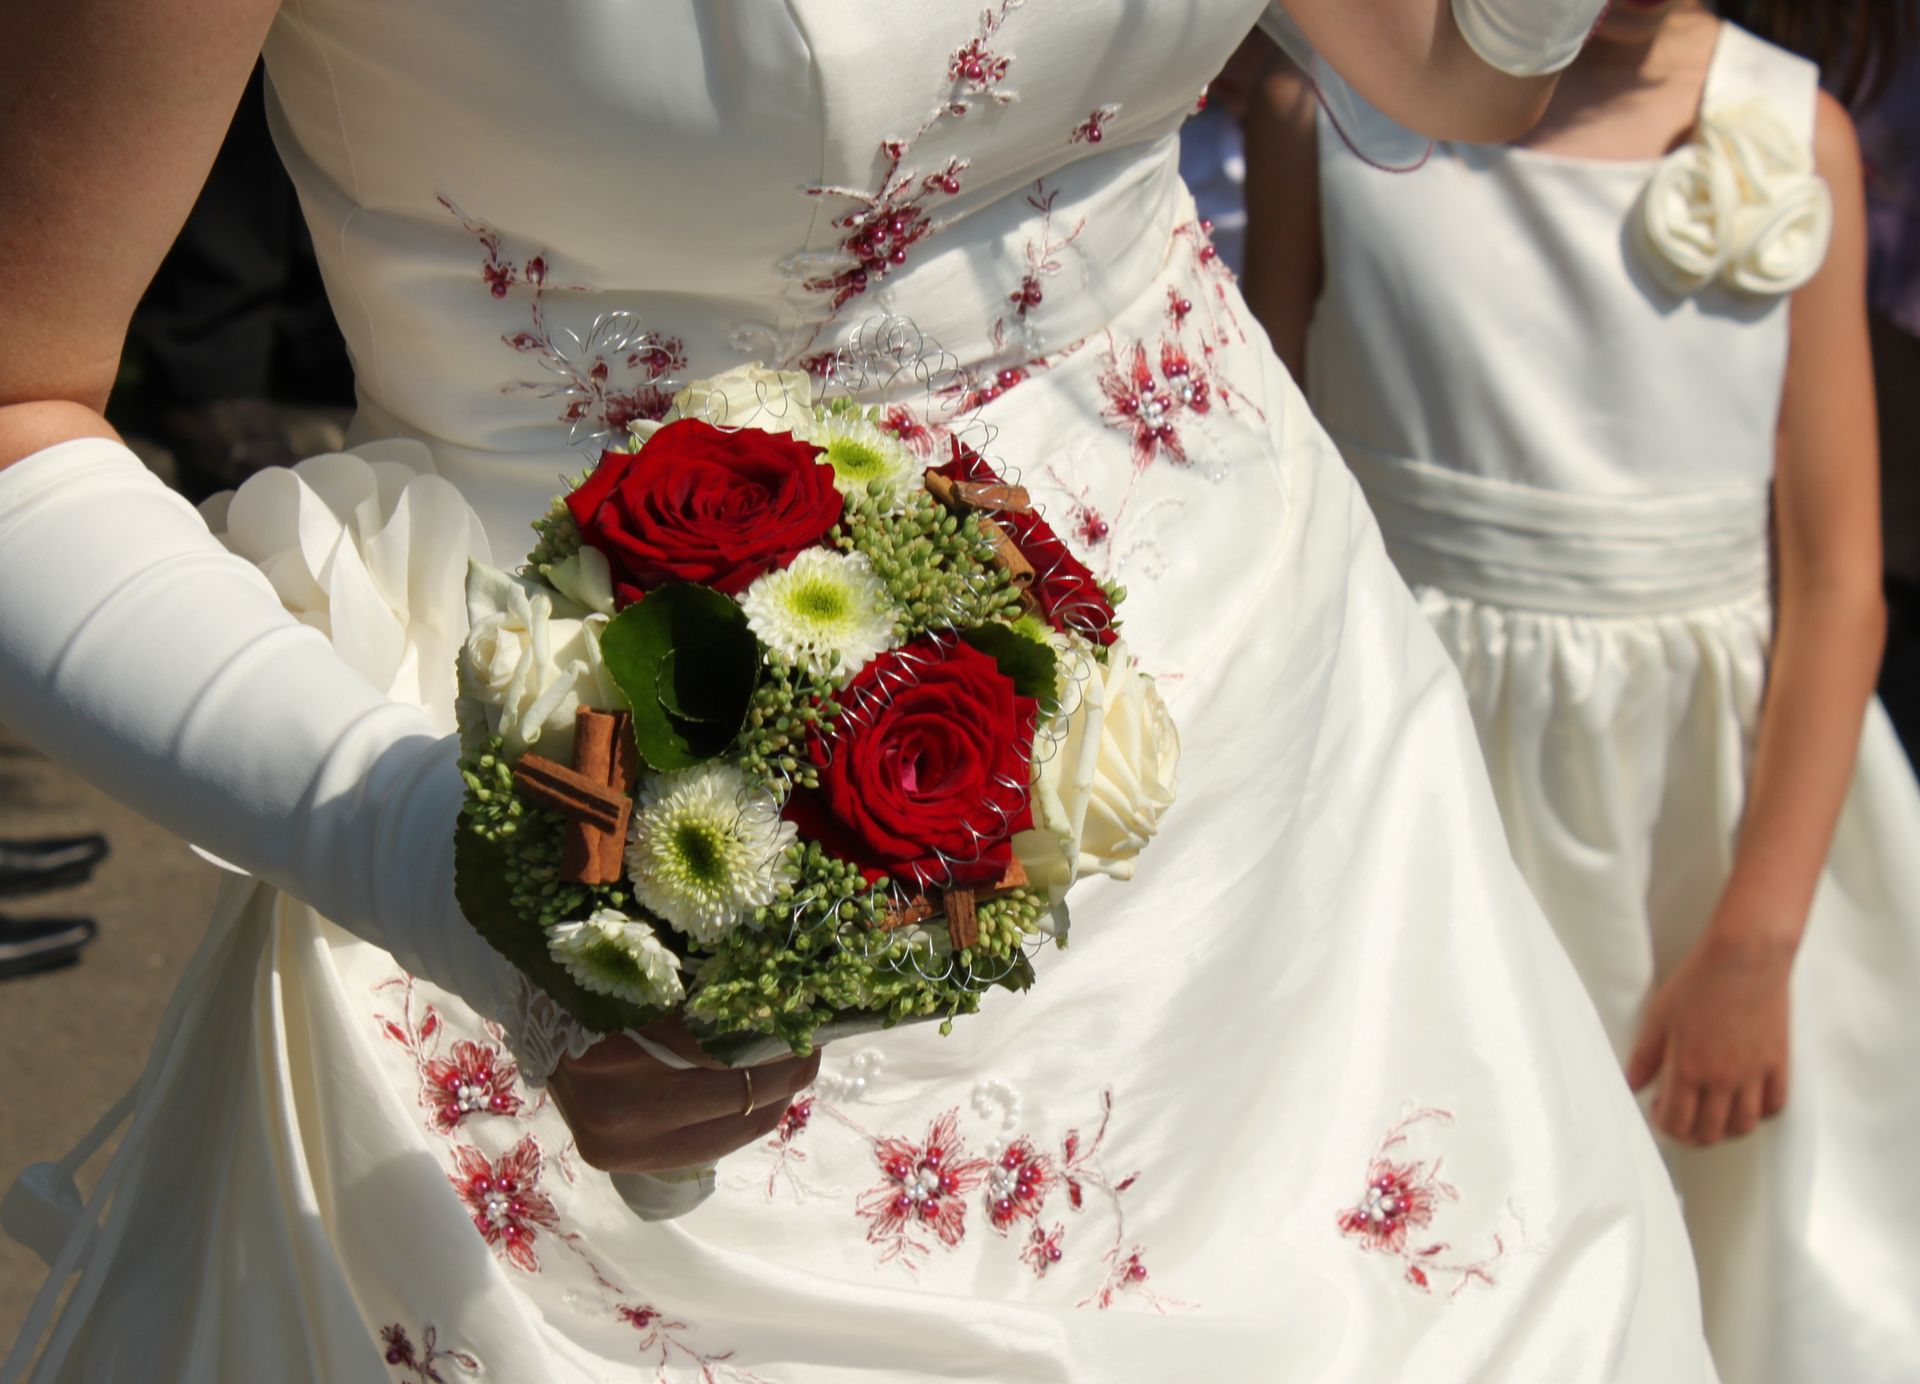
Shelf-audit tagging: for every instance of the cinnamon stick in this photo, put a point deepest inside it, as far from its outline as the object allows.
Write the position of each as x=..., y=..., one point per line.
x=1007, y=553
x=566, y=791
x=963, y=917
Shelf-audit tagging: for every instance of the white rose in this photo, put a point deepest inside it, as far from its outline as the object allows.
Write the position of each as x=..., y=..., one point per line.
x=1685, y=218
x=748, y=396
x=1100, y=790
x=1780, y=245
x=529, y=663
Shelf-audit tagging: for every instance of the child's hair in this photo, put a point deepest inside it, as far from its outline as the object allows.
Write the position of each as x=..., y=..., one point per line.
x=1858, y=43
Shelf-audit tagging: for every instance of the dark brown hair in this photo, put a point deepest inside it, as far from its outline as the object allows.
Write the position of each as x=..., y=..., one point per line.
x=1858, y=43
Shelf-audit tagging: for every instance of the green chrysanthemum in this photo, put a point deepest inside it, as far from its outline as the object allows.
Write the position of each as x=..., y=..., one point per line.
x=612, y=954
x=825, y=612
x=707, y=849
x=863, y=457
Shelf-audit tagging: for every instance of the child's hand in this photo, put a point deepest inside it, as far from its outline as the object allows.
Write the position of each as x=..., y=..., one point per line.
x=1716, y=1036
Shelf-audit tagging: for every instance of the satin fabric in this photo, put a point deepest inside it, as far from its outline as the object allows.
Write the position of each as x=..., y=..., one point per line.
x=1578, y=491
x=1315, y=1097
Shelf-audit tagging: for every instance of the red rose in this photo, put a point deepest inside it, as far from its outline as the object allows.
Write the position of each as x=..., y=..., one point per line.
x=1070, y=597
x=701, y=504
x=926, y=774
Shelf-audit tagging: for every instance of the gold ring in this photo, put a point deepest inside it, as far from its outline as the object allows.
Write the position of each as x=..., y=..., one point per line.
x=748, y=1074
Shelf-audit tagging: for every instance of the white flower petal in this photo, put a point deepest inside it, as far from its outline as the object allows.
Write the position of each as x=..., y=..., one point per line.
x=707, y=849
x=827, y=612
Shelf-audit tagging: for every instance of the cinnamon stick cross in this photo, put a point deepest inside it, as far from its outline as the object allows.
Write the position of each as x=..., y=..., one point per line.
x=961, y=906
x=594, y=795
x=984, y=498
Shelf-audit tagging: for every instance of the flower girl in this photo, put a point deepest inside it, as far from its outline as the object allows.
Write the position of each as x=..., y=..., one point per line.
x=1608, y=392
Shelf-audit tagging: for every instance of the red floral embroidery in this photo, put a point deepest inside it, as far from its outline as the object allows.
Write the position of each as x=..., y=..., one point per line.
x=1402, y=1196
x=924, y=1187
x=1042, y=1250
x=1139, y=402
x=660, y=1335
x=509, y=1209
x=891, y=217
x=473, y=1081
x=1017, y=1185
x=1094, y=128
x=420, y=1362
x=609, y=378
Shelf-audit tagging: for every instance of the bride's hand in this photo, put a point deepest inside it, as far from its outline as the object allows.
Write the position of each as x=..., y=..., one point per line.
x=1716, y=1037
x=632, y=1113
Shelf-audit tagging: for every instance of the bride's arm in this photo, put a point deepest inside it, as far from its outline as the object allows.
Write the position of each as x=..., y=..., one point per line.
x=1478, y=71
x=136, y=649
x=110, y=114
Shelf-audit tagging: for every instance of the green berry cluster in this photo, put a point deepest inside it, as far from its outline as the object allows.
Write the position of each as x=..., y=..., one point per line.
x=557, y=538
x=788, y=706
x=535, y=888
x=936, y=565
x=494, y=809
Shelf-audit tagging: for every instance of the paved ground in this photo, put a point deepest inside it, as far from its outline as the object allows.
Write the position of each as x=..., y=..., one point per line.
x=72, y=1041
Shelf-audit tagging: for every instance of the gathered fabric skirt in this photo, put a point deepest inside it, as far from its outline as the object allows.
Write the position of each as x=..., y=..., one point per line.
x=1614, y=652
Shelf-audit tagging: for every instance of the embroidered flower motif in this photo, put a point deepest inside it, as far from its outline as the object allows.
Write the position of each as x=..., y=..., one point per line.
x=1042, y=1250
x=1017, y=1185
x=1138, y=402
x=472, y=1080
x=1094, y=128
x=1739, y=203
x=508, y=1207
x=1402, y=1196
x=608, y=379
x=660, y=1337
x=612, y=954
x=794, y=1122
x=420, y=1362
x=925, y=1186
x=708, y=848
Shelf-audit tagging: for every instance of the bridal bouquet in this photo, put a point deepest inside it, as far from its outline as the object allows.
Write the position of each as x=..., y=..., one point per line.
x=780, y=727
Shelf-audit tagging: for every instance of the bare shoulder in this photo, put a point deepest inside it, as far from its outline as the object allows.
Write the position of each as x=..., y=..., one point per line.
x=1836, y=145
x=1284, y=98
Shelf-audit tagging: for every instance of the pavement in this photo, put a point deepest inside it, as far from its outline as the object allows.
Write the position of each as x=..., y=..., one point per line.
x=74, y=1039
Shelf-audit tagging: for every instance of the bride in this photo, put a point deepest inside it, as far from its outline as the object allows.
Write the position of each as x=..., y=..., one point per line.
x=1315, y=1098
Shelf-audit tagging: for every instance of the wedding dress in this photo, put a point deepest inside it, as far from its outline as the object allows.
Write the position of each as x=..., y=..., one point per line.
x=1316, y=1097
x=1586, y=525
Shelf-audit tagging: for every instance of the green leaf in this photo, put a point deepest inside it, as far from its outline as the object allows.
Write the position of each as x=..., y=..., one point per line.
x=687, y=664
x=1030, y=664
x=480, y=886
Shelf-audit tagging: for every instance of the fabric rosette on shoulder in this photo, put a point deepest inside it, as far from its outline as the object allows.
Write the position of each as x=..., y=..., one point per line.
x=779, y=731
x=1739, y=203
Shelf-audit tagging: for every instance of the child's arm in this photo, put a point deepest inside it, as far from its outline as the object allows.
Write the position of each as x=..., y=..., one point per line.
x=1717, y=1031
x=1284, y=266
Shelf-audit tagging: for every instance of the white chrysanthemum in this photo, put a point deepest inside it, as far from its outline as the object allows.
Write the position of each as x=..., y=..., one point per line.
x=861, y=454
x=827, y=612
x=707, y=849
x=612, y=954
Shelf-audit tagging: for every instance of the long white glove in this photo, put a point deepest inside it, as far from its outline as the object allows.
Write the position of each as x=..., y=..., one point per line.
x=136, y=649
x=1527, y=38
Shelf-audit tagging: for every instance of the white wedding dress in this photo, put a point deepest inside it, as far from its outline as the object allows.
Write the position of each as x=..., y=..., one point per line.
x=1317, y=1097
x=1572, y=465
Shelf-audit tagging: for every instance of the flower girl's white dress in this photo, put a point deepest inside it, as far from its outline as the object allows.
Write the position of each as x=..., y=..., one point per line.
x=1317, y=1097
x=1562, y=403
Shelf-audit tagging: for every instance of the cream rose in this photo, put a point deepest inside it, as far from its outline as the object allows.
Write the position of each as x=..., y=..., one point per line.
x=748, y=396
x=1102, y=784
x=1685, y=218
x=1783, y=244
x=529, y=663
